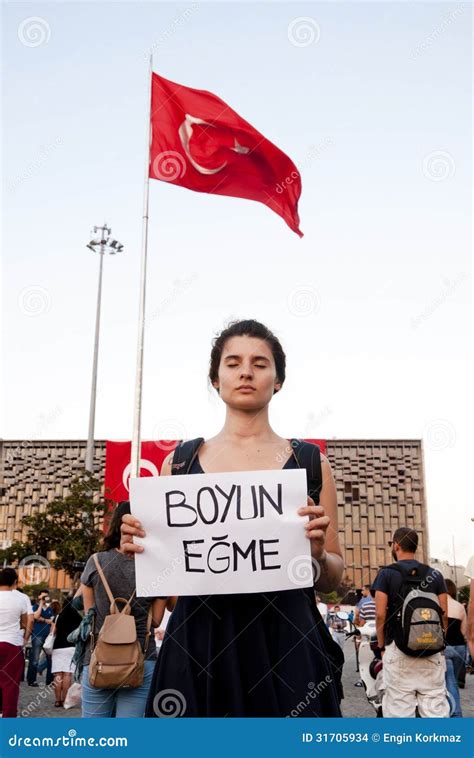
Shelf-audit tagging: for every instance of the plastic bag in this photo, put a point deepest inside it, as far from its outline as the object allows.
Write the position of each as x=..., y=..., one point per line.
x=73, y=696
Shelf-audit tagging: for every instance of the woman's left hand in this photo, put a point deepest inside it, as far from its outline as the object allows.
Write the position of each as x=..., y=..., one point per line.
x=316, y=527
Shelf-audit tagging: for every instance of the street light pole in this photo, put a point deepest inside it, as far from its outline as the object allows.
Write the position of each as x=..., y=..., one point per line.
x=104, y=243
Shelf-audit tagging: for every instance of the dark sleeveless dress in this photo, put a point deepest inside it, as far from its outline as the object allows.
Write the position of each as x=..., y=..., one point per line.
x=252, y=654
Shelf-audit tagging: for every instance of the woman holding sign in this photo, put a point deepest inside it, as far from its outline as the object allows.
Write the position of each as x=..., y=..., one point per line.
x=252, y=654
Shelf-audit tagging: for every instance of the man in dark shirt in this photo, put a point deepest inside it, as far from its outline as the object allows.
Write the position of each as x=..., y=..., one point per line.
x=43, y=618
x=409, y=682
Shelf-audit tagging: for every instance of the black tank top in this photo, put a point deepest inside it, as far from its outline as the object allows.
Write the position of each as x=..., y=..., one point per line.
x=454, y=636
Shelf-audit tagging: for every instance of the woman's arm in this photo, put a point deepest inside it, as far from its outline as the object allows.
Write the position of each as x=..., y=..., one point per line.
x=171, y=603
x=322, y=530
x=158, y=610
x=464, y=623
x=131, y=526
x=88, y=597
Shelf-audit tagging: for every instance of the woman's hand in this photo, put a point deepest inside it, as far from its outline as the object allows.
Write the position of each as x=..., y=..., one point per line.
x=316, y=527
x=130, y=528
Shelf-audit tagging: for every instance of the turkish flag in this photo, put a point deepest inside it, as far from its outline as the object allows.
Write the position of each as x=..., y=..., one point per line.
x=199, y=142
x=118, y=467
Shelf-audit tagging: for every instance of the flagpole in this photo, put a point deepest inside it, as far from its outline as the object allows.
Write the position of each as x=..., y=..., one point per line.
x=136, y=438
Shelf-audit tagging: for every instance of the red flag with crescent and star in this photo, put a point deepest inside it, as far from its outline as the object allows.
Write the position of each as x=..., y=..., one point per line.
x=199, y=142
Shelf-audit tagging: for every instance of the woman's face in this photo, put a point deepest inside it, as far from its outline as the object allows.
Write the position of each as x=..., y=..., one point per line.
x=247, y=373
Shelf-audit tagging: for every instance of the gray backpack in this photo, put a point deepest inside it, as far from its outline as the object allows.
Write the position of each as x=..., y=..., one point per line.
x=419, y=618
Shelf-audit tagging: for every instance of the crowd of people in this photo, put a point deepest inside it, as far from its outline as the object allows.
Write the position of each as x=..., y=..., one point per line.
x=423, y=685
x=247, y=654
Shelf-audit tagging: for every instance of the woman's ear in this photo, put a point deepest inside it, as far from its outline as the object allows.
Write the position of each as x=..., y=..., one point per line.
x=216, y=386
x=277, y=387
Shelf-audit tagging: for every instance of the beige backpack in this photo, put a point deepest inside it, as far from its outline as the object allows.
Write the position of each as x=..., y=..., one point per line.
x=117, y=659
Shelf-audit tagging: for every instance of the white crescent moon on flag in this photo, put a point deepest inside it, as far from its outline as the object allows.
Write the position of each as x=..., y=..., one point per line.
x=144, y=464
x=185, y=132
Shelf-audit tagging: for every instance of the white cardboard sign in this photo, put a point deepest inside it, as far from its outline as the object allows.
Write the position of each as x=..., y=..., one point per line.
x=223, y=533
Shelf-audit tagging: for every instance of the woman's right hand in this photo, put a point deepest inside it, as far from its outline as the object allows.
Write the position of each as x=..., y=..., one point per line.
x=130, y=528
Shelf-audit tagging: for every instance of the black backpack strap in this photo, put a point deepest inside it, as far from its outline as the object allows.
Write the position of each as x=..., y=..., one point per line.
x=184, y=455
x=410, y=580
x=308, y=456
x=418, y=574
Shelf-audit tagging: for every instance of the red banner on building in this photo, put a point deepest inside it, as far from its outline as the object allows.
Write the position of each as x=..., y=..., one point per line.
x=117, y=463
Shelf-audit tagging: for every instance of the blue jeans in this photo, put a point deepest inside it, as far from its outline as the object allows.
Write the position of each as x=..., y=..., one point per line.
x=33, y=667
x=455, y=658
x=121, y=703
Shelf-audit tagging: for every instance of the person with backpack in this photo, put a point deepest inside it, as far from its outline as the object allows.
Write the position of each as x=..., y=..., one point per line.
x=252, y=653
x=120, y=655
x=411, y=619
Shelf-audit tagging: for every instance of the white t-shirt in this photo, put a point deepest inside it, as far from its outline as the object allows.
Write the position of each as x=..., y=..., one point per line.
x=12, y=605
x=25, y=600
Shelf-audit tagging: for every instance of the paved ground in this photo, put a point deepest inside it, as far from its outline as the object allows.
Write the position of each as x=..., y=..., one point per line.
x=39, y=702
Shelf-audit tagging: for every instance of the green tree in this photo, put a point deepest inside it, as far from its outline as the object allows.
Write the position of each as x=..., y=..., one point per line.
x=14, y=553
x=69, y=527
x=463, y=594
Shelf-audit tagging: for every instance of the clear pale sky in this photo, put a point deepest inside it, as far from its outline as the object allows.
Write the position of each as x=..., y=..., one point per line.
x=372, y=101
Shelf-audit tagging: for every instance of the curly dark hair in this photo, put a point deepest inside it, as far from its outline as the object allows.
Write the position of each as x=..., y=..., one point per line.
x=247, y=328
